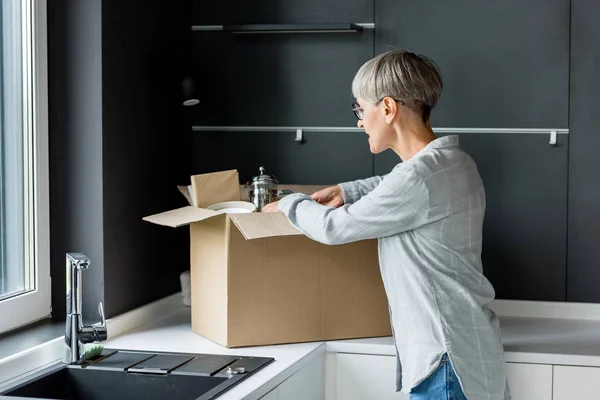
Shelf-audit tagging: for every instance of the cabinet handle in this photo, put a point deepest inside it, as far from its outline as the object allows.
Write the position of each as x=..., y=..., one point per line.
x=553, y=138
x=286, y=28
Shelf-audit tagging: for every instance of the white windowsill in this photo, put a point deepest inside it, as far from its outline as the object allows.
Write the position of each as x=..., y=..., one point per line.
x=51, y=350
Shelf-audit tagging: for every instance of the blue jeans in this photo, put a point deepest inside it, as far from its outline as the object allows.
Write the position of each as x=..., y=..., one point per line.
x=441, y=385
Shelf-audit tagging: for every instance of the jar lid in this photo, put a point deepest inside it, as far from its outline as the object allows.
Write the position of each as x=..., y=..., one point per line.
x=264, y=177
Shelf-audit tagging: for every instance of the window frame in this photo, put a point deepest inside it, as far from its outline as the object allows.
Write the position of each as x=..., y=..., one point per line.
x=35, y=305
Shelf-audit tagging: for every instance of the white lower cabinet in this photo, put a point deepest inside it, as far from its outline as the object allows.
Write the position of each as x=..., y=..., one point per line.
x=576, y=383
x=373, y=377
x=272, y=395
x=370, y=377
x=306, y=384
x=362, y=377
x=530, y=381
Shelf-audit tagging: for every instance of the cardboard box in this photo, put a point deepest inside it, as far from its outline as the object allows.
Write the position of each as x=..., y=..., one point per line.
x=256, y=280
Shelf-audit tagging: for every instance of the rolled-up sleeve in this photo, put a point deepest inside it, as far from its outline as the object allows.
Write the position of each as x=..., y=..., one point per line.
x=352, y=191
x=400, y=202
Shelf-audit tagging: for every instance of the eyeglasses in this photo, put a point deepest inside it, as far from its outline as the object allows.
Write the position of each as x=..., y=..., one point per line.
x=360, y=112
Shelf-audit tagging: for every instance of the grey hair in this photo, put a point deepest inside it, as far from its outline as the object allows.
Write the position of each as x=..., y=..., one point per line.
x=402, y=75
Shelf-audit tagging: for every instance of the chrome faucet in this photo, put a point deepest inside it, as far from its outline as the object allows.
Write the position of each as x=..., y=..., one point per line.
x=76, y=334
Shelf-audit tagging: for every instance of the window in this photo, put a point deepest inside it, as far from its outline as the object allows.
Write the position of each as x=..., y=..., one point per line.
x=24, y=203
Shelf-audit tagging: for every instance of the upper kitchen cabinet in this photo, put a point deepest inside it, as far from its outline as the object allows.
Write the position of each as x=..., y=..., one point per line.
x=281, y=11
x=283, y=79
x=505, y=64
x=584, y=180
x=525, y=223
x=277, y=79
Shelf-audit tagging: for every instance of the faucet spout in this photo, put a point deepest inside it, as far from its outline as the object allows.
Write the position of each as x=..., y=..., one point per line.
x=76, y=334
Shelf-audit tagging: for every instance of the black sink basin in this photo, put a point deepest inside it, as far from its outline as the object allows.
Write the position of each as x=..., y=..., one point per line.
x=132, y=375
x=72, y=384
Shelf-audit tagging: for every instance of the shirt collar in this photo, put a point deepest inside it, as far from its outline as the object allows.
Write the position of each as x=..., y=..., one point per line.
x=443, y=142
x=439, y=143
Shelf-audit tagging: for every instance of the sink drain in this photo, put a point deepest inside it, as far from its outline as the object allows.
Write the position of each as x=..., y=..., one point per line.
x=235, y=370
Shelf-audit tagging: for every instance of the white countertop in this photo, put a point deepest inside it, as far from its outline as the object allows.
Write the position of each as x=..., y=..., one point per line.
x=569, y=334
x=527, y=340
x=551, y=340
x=174, y=333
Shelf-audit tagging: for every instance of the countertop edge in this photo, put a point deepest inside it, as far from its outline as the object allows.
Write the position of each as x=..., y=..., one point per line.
x=282, y=376
x=577, y=360
x=357, y=348
x=573, y=360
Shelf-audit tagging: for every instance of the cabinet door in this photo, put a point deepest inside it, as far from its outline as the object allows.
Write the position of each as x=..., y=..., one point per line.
x=530, y=381
x=279, y=12
x=277, y=79
x=581, y=383
x=366, y=377
x=584, y=181
x=524, y=228
x=324, y=158
x=504, y=63
x=272, y=395
x=306, y=384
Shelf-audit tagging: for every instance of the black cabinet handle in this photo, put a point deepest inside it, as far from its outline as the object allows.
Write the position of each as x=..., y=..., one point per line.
x=285, y=28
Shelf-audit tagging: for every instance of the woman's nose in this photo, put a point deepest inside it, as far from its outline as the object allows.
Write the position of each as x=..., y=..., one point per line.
x=360, y=124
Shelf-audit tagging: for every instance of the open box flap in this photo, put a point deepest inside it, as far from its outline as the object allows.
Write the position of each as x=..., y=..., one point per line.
x=215, y=187
x=261, y=225
x=180, y=216
x=186, y=191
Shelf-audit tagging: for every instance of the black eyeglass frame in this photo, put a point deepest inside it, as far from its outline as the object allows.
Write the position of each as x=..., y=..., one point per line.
x=359, y=112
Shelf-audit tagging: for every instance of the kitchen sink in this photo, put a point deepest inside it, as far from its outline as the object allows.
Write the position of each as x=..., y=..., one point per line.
x=136, y=375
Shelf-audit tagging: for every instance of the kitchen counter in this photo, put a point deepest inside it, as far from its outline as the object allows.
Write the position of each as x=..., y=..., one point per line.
x=174, y=333
x=526, y=340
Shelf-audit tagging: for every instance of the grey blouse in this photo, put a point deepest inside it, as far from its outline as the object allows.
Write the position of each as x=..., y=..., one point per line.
x=427, y=215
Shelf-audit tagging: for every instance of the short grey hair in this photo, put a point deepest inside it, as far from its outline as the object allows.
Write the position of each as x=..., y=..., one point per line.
x=402, y=75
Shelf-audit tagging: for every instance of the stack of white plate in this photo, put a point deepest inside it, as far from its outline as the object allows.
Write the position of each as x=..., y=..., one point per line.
x=232, y=207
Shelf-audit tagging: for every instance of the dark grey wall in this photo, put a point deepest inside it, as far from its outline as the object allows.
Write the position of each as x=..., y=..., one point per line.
x=505, y=64
x=76, y=158
x=118, y=148
x=146, y=146
x=120, y=142
x=584, y=180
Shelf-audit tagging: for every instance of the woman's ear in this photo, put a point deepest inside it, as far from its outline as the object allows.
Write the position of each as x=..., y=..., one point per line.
x=390, y=109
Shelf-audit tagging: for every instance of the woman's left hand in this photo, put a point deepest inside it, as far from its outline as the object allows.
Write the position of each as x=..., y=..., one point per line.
x=271, y=207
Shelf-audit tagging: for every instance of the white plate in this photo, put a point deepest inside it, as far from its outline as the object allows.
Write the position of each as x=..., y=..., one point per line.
x=232, y=207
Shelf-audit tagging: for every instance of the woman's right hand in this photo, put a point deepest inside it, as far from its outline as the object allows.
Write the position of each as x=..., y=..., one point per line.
x=330, y=196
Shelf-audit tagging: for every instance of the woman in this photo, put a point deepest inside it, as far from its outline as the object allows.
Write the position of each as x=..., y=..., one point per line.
x=427, y=215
